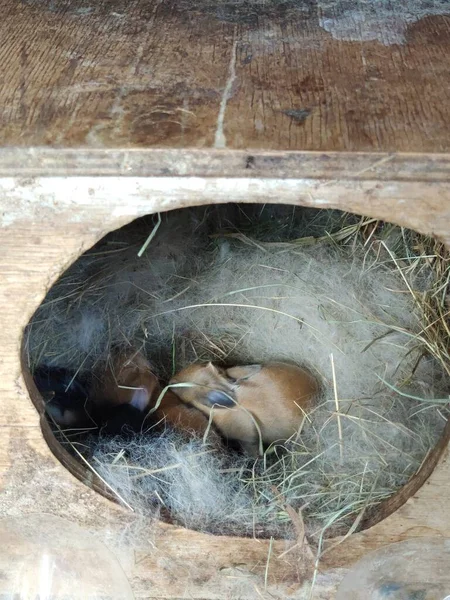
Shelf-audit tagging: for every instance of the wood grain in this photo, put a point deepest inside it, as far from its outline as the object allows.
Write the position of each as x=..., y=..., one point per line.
x=202, y=74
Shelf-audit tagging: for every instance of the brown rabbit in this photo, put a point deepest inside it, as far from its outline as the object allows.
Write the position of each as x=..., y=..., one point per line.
x=254, y=405
x=129, y=381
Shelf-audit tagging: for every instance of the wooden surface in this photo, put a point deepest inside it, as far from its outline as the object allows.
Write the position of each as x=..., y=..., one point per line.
x=117, y=108
x=42, y=233
x=274, y=75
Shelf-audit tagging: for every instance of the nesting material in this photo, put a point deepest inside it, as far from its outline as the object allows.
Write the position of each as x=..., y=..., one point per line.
x=351, y=308
x=201, y=486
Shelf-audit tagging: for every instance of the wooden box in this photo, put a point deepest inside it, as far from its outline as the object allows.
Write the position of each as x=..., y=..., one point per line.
x=112, y=110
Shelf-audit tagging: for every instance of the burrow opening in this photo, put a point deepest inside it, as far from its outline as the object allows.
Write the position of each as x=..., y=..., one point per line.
x=361, y=304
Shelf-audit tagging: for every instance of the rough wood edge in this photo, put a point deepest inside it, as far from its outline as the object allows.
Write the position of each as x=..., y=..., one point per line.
x=47, y=162
x=420, y=205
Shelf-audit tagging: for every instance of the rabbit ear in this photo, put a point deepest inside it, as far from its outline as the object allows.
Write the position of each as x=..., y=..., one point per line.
x=219, y=398
x=239, y=374
x=221, y=378
x=140, y=398
x=211, y=367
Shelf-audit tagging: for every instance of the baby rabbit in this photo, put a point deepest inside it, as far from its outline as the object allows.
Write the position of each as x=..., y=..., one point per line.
x=127, y=391
x=118, y=399
x=127, y=379
x=254, y=405
x=65, y=397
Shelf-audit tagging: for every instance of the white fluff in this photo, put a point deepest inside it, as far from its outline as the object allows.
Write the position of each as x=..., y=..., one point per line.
x=201, y=486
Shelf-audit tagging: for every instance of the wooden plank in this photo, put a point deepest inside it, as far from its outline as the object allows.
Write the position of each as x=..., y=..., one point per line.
x=420, y=205
x=307, y=76
x=264, y=164
x=41, y=235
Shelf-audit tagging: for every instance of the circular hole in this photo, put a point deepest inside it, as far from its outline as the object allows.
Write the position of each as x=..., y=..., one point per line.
x=357, y=302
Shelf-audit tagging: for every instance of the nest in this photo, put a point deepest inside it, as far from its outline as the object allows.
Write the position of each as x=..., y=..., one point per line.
x=361, y=303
